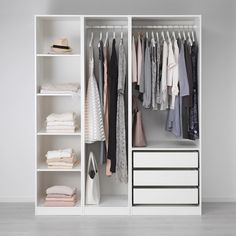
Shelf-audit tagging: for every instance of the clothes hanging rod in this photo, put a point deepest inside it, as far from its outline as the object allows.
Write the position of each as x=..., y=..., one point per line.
x=106, y=27
x=164, y=26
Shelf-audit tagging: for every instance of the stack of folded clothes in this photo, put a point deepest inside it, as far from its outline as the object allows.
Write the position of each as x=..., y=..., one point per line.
x=66, y=88
x=61, y=123
x=60, y=196
x=65, y=158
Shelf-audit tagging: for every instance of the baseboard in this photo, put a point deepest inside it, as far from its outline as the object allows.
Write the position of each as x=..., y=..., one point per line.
x=219, y=199
x=31, y=199
x=16, y=199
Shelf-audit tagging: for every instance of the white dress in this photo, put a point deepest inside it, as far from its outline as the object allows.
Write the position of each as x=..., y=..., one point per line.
x=94, y=127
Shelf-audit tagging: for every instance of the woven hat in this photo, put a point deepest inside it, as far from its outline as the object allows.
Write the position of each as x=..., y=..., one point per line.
x=60, y=46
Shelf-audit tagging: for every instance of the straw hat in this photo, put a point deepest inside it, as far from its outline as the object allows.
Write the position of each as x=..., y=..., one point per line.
x=60, y=46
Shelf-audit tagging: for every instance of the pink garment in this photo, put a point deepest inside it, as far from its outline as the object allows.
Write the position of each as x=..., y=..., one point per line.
x=59, y=204
x=61, y=199
x=59, y=196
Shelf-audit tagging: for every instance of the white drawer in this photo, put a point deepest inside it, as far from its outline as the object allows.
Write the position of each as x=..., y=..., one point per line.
x=165, y=159
x=165, y=196
x=165, y=178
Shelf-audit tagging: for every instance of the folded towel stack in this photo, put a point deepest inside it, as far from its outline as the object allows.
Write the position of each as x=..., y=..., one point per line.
x=60, y=196
x=61, y=159
x=61, y=123
x=60, y=88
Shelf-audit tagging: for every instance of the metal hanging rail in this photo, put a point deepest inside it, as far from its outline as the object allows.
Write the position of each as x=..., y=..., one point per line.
x=106, y=26
x=164, y=26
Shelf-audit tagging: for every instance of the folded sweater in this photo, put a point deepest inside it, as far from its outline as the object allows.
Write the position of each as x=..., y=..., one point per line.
x=61, y=189
x=67, y=116
x=59, y=153
x=65, y=87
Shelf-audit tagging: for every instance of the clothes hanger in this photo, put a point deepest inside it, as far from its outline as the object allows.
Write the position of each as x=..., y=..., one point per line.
x=106, y=39
x=163, y=36
x=146, y=34
x=153, y=39
x=184, y=35
x=91, y=40
x=100, y=35
x=173, y=35
x=193, y=36
x=121, y=37
x=168, y=35
x=189, y=38
x=157, y=35
x=114, y=34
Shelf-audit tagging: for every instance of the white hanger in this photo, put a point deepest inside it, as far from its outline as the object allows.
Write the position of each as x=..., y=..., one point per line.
x=193, y=36
x=168, y=35
x=100, y=35
x=147, y=35
x=184, y=35
x=163, y=36
x=173, y=34
x=121, y=34
x=179, y=35
x=105, y=44
x=114, y=34
x=157, y=36
x=91, y=40
x=189, y=38
x=152, y=35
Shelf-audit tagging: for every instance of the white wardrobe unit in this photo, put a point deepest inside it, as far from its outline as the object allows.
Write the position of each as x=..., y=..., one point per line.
x=165, y=176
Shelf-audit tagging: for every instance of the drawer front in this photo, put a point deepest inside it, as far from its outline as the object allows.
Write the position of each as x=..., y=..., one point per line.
x=165, y=159
x=163, y=196
x=165, y=178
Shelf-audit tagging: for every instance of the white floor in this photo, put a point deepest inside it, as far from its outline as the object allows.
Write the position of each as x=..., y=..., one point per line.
x=217, y=219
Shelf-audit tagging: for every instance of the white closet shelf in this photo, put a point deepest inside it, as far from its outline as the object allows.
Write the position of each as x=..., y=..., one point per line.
x=183, y=144
x=42, y=210
x=112, y=201
x=44, y=132
x=42, y=167
x=56, y=95
x=57, y=55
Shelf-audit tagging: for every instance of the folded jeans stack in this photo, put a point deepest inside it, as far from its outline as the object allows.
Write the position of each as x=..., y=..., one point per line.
x=65, y=88
x=60, y=196
x=61, y=123
x=61, y=159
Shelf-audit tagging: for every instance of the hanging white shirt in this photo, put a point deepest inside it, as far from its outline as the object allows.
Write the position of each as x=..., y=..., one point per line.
x=163, y=85
x=174, y=91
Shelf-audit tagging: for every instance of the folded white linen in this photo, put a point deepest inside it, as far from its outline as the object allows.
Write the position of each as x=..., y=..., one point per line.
x=61, y=123
x=64, y=87
x=68, y=152
x=57, y=92
x=67, y=116
x=60, y=189
x=60, y=127
x=60, y=131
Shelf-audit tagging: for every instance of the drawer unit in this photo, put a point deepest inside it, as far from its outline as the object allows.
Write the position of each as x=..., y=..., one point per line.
x=165, y=159
x=165, y=177
x=165, y=196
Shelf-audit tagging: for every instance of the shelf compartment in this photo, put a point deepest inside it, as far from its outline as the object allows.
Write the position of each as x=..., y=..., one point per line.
x=44, y=132
x=109, y=205
x=51, y=28
x=57, y=70
x=48, y=179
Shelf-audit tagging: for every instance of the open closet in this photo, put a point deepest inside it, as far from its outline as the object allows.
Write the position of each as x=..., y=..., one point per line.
x=119, y=98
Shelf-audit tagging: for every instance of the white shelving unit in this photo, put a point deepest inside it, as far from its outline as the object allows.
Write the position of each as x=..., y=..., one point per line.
x=116, y=198
x=57, y=68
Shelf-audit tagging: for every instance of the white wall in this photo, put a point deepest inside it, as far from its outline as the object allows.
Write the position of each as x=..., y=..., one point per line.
x=17, y=86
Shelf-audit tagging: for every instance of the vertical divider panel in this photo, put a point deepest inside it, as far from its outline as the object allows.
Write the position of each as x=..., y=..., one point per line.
x=129, y=80
x=82, y=57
